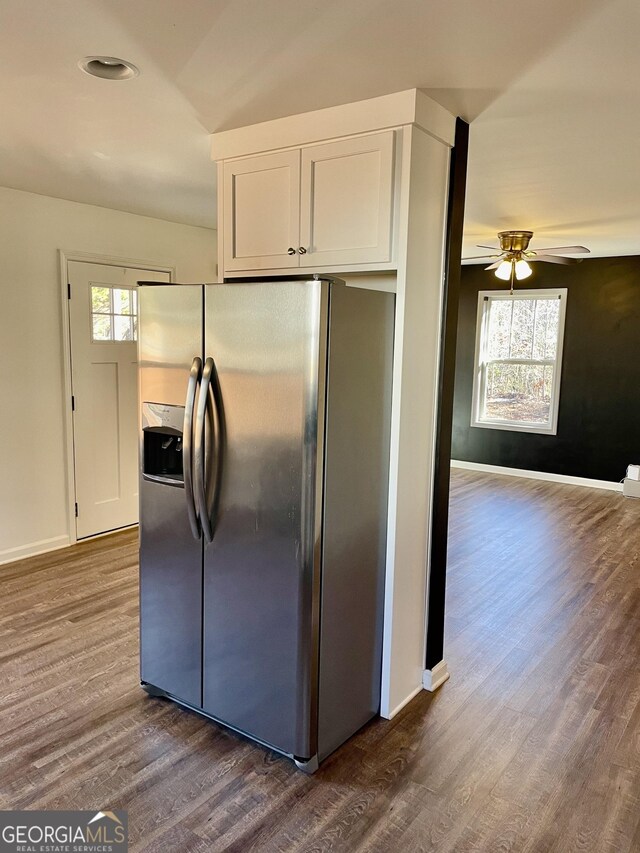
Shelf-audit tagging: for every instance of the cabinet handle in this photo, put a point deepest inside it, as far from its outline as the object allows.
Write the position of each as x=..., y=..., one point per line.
x=291, y=251
x=302, y=250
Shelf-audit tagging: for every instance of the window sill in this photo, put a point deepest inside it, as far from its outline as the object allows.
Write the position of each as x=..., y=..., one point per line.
x=516, y=427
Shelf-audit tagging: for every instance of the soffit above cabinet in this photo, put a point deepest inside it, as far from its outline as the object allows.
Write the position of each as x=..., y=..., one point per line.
x=402, y=108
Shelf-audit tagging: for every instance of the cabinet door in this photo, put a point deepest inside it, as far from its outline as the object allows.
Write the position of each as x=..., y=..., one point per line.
x=347, y=201
x=262, y=212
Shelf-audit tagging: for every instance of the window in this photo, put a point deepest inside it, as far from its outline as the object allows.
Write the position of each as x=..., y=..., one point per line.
x=518, y=360
x=114, y=313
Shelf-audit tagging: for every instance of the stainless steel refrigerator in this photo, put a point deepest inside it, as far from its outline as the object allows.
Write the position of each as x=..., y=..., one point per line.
x=265, y=410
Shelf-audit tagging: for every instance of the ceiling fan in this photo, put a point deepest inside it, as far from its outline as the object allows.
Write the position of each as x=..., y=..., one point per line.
x=514, y=256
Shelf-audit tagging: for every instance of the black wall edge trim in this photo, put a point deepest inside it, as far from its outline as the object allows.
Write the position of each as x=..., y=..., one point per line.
x=446, y=380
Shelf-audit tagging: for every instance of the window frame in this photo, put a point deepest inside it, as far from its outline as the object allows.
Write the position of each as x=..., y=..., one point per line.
x=481, y=363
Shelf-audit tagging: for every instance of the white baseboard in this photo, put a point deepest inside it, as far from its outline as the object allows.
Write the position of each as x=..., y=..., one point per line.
x=538, y=475
x=402, y=704
x=32, y=549
x=631, y=488
x=433, y=678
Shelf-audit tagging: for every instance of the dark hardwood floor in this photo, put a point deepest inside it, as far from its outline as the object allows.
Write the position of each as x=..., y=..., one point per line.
x=533, y=744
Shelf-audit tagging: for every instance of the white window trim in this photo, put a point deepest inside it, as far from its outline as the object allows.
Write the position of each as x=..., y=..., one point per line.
x=479, y=375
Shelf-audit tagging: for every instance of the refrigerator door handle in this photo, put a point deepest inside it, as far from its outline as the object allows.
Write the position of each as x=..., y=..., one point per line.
x=200, y=460
x=187, y=435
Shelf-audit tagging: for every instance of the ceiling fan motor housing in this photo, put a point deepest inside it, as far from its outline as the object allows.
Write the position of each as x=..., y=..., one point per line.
x=515, y=241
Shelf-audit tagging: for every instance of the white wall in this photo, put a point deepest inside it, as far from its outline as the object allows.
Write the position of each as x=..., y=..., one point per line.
x=33, y=228
x=416, y=353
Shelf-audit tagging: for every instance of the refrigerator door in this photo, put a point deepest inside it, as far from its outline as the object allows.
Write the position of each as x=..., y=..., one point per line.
x=261, y=568
x=170, y=351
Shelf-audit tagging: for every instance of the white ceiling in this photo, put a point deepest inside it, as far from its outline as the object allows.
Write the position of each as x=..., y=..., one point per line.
x=552, y=90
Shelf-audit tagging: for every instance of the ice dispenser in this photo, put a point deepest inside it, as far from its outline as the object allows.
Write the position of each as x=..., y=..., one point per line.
x=162, y=443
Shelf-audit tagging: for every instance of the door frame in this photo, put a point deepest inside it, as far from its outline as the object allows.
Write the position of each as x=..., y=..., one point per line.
x=64, y=257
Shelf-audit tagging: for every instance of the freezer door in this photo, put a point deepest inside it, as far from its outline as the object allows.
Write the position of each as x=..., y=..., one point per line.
x=261, y=569
x=170, y=349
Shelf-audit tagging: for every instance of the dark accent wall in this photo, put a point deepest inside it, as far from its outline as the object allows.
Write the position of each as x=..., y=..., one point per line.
x=599, y=415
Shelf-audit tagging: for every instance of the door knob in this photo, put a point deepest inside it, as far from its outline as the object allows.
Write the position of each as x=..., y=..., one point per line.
x=291, y=251
x=302, y=250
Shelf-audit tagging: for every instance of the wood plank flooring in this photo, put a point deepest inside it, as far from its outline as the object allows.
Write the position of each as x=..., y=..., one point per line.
x=533, y=745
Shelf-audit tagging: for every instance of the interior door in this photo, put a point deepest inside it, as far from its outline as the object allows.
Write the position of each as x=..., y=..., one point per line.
x=261, y=573
x=104, y=377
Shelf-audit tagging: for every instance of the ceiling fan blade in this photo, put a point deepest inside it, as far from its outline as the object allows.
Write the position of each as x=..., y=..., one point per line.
x=479, y=257
x=554, y=259
x=493, y=266
x=495, y=248
x=571, y=250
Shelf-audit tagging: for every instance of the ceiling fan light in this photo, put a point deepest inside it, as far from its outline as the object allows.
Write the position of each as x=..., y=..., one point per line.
x=523, y=270
x=504, y=271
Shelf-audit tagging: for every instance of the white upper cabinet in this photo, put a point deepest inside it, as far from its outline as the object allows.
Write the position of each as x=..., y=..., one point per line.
x=262, y=212
x=346, y=201
x=326, y=206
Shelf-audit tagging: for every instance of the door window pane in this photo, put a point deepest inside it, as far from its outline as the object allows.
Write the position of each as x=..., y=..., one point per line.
x=113, y=313
x=100, y=300
x=122, y=328
x=101, y=327
x=122, y=301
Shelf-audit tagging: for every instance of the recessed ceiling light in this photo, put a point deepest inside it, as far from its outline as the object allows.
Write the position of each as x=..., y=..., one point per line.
x=108, y=67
